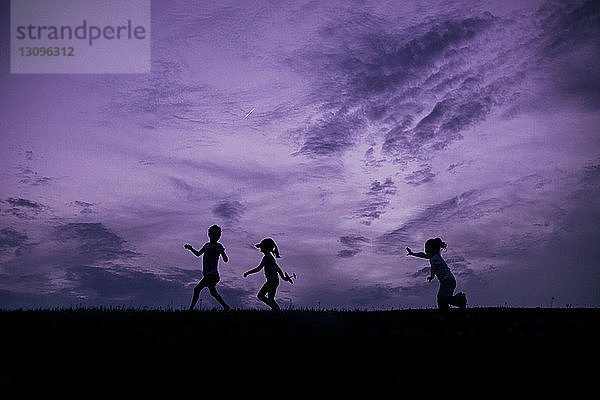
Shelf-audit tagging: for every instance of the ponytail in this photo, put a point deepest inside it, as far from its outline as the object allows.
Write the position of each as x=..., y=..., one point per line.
x=269, y=244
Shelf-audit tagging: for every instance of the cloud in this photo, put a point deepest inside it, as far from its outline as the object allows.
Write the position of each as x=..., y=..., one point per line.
x=229, y=210
x=568, y=25
x=23, y=208
x=83, y=207
x=10, y=238
x=22, y=203
x=160, y=98
x=330, y=135
x=94, y=242
x=420, y=176
x=371, y=209
x=371, y=74
x=119, y=285
x=417, y=88
x=89, y=264
x=26, y=174
x=570, y=50
x=354, y=242
x=377, y=200
x=467, y=206
x=454, y=168
x=30, y=177
x=386, y=188
x=512, y=231
x=347, y=253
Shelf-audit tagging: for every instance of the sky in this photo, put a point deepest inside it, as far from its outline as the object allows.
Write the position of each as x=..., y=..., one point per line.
x=376, y=125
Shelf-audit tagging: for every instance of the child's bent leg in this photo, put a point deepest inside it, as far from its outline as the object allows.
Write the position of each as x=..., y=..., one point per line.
x=197, y=290
x=217, y=296
x=262, y=293
x=266, y=294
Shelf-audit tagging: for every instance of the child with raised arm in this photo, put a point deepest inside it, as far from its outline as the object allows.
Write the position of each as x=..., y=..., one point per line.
x=266, y=294
x=211, y=250
x=440, y=269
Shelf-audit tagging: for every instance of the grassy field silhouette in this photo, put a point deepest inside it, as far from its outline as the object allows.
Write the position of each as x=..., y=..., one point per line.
x=149, y=347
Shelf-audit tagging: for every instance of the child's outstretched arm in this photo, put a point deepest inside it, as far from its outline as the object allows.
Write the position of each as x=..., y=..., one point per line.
x=420, y=255
x=198, y=253
x=254, y=270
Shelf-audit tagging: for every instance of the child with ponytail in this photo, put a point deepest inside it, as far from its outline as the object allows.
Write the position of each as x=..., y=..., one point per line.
x=266, y=294
x=440, y=269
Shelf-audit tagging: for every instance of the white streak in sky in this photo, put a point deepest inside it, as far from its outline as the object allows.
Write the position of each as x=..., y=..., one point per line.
x=250, y=112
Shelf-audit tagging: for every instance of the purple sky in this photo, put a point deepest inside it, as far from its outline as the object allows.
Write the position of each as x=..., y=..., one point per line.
x=377, y=125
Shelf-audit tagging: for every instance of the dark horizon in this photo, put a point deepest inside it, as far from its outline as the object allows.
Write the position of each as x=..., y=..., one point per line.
x=467, y=351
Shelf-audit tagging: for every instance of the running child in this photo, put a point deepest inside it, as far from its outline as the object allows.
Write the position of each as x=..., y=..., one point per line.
x=440, y=269
x=266, y=294
x=211, y=250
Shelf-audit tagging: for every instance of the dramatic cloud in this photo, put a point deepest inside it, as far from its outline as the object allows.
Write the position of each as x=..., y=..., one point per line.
x=423, y=85
x=88, y=264
x=374, y=73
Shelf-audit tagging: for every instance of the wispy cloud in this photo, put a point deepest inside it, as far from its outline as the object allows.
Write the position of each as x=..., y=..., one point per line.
x=28, y=176
x=420, y=176
x=378, y=198
x=229, y=210
x=22, y=208
x=11, y=239
x=354, y=244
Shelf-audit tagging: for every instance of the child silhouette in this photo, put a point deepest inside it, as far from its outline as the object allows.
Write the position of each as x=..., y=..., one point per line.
x=266, y=294
x=440, y=269
x=211, y=250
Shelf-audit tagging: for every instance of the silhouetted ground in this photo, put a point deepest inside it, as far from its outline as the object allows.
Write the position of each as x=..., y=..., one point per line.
x=94, y=349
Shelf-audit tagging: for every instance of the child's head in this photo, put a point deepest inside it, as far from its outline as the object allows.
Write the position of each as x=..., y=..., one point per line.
x=433, y=246
x=267, y=245
x=214, y=232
